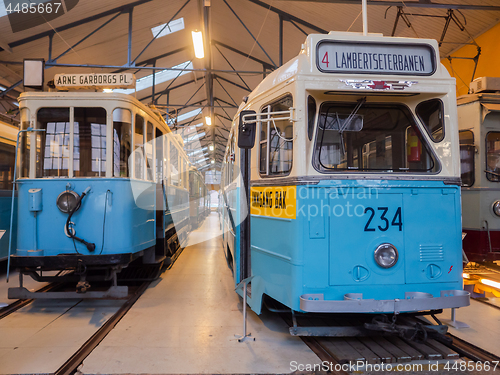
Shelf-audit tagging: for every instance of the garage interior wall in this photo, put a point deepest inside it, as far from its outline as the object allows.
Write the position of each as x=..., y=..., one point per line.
x=489, y=60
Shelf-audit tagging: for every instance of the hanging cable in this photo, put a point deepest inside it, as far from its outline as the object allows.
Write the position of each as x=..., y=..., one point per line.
x=71, y=231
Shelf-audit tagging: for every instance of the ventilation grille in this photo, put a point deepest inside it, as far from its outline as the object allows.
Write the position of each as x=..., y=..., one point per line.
x=431, y=253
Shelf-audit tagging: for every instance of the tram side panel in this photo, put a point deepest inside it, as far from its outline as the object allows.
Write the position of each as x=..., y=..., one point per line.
x=7, y=156
x=480, y=154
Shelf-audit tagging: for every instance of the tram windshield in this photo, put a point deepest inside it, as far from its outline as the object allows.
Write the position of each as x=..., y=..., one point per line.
x=89, y=142
x=370, y=137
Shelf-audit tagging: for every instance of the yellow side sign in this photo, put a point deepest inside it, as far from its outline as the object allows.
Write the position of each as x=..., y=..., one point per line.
x=274, y=201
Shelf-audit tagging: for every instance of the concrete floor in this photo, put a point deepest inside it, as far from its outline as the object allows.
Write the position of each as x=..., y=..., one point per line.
x=40, y=337
x=185, y=324
x=484, y=325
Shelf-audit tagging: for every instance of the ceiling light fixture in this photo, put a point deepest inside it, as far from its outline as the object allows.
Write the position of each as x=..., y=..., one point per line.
x=198, y=44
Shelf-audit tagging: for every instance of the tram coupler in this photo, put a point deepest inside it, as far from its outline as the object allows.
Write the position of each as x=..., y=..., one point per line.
x=82, y=286
x=413, y=331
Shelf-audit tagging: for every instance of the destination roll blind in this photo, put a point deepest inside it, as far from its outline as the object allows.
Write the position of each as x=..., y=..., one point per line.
x=406, y=59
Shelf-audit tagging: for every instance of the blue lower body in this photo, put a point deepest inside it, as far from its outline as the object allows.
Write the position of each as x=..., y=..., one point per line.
x=5, y=209
x=326, y=254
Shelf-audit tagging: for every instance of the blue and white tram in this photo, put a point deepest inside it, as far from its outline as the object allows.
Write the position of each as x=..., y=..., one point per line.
x=100, y=185
x=8, y=135
x=198, y=198
x=354, y=180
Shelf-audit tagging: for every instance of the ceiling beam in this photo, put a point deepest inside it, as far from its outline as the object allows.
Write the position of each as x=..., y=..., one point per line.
x=262, y=62
x=77, y=23
x=414, y=4
x=170, y=89
x=216, y=76
x=288, y=16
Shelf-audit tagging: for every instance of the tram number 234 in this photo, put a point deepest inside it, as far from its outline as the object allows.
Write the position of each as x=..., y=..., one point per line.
x=382, y=215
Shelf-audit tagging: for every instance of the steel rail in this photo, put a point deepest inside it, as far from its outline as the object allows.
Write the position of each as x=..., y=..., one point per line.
x=20, y=303
x=467, y=350
x=76, y=359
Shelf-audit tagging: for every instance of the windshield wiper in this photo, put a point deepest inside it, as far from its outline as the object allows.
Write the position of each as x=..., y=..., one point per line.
x=348, y=122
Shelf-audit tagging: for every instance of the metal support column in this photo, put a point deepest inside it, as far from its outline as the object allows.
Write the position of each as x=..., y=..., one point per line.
x=280, y=62
x=129, y=50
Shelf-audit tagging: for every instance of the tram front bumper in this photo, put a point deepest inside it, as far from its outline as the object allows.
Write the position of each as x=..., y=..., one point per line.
x=413, y=301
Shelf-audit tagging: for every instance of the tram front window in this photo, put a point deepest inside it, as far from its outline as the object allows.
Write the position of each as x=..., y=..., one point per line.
x=89, y=153
x=370, y=137
x=53, y=145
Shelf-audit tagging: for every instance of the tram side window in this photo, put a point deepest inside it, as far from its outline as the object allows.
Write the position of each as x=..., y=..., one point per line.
x=493, y=156
x=263, y=144
x=122, y=134
x=375, y=137
x=149, y=151
x=7, y=156
x=174, y=165
x=467, y=151
x=53, y=144
x=139, y=147
x=279, y=142
x=89, y=152
x=24, y=145
x=430, y=113
x=311, y=115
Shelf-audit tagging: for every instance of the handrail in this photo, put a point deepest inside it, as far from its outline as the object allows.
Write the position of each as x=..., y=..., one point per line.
x=258, y=116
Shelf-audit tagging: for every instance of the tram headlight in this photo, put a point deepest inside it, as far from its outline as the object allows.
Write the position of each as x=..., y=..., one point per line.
x=496, y=208
x=386, y=255
x=67, y=201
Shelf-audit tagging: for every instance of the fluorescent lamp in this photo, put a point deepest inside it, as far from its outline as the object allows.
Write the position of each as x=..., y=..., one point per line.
x=190, y=139
x=107, y=90
x=208, y=120
x=198, y=44
x=491, y=283
x=168, y=28
x=201, y=160
x=197, y=151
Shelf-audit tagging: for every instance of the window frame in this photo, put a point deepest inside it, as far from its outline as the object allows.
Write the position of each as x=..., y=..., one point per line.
x=268, y=148
x=427, y=130
x=473, y=159
x=486, y=155
x=403, y=107
x=129, y=169
x=310, y=132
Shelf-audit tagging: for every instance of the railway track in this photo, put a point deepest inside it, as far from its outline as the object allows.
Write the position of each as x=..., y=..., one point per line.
x=71, y=365
x=377, y=351
x=20, y=303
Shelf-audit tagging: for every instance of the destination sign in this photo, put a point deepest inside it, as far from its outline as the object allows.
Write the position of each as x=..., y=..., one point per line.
x=378, y=58
x=274, y=201
x=92, y=80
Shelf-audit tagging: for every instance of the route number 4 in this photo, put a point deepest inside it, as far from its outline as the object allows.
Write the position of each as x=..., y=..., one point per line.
x=325, y=59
